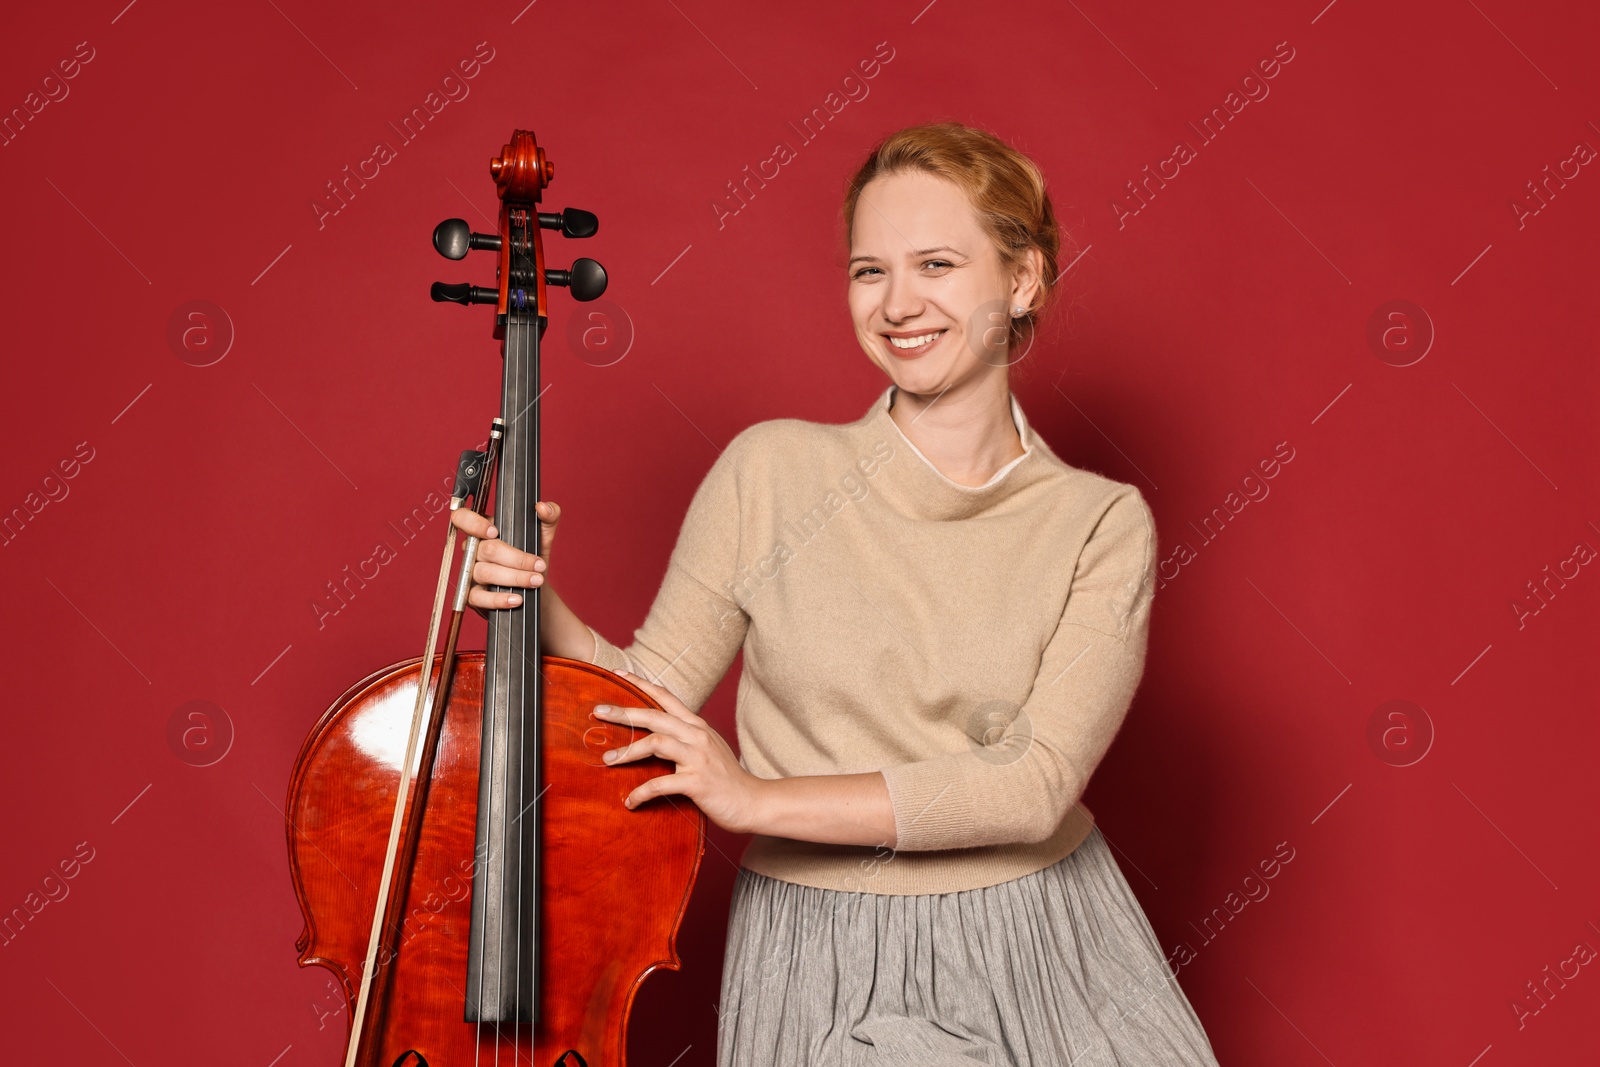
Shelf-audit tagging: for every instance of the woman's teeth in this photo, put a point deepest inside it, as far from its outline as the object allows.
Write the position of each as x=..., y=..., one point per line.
x=915, y=342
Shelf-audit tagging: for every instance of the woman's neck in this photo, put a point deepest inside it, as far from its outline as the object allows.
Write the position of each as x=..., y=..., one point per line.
x=967, y=435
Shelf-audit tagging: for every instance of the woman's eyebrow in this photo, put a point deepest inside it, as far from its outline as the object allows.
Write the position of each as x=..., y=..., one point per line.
x=919, y=252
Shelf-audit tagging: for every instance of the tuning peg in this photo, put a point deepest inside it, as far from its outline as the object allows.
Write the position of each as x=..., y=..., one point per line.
x=586, y=279
x=571, y=222
x=453, y=239
x=467, y=294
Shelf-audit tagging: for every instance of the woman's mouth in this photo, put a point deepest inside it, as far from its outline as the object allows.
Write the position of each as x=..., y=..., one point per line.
x=913, y=346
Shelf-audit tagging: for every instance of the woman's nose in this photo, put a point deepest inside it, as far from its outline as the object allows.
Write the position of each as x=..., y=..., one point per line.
x=901, y=301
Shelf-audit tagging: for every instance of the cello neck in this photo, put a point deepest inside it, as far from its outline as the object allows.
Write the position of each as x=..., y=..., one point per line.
x=504, y=942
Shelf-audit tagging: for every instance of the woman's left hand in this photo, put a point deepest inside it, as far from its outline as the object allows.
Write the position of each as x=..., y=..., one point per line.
x=707, y=770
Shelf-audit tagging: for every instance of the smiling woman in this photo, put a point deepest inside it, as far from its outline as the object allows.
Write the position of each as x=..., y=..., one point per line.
x=1004, y=215
x=928, y=686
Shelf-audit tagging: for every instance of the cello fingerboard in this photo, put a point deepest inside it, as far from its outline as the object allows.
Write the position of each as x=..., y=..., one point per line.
x=505, y=936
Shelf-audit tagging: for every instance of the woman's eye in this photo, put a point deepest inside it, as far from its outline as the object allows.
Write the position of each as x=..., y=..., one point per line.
x=935, y=264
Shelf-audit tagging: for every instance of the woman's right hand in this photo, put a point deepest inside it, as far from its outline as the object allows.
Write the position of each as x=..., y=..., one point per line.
x=499, y=563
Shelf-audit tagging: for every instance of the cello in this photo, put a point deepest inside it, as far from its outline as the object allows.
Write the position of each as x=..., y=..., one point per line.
x=459, y=849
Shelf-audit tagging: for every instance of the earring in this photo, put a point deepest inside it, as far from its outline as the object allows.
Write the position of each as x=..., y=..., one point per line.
x=1018, y=312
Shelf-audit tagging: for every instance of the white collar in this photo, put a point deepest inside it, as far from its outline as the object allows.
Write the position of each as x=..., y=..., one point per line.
x=1017, y=419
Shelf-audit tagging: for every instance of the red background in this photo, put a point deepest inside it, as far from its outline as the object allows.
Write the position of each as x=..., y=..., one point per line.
x=1228, y=315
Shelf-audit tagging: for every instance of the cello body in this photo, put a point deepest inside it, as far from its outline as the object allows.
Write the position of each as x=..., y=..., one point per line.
x=615, y=883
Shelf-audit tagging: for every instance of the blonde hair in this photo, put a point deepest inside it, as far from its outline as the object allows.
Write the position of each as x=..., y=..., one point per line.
x=1004, y=186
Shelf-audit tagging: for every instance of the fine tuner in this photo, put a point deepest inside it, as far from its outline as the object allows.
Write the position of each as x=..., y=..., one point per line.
x=453, y=239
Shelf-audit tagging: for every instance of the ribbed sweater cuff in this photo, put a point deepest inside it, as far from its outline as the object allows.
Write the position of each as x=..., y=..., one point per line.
x=607, y=655
x=931, y=806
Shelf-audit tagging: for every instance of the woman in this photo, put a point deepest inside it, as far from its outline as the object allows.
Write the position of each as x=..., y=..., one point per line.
x=943, y=625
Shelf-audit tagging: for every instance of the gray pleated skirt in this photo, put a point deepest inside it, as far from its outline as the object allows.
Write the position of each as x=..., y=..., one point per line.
x=1057, y=968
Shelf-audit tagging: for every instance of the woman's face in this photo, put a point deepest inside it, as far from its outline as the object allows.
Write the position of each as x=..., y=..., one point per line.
x=928, y=294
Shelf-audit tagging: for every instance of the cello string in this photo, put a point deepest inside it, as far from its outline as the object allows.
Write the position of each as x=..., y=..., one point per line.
x=513, y=887
x=530, y=616
x=513, y=829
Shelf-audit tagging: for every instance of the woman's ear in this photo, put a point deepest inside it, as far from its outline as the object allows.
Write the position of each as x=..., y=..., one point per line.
x=1027, y=279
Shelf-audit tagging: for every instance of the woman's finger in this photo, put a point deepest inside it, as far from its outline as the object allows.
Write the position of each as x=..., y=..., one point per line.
x=497, y=551
x=659, y=786
x=479, y=597
x=495, y=574
x=469, y=521
x=660, y=722
x=661, y=745
x=549, y=515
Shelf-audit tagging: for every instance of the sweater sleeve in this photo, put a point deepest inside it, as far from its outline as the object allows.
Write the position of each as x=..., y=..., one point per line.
x=1020, y=778
x=694, y=628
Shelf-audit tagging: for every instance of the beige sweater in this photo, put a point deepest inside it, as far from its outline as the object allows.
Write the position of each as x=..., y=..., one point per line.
x=978, y=645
